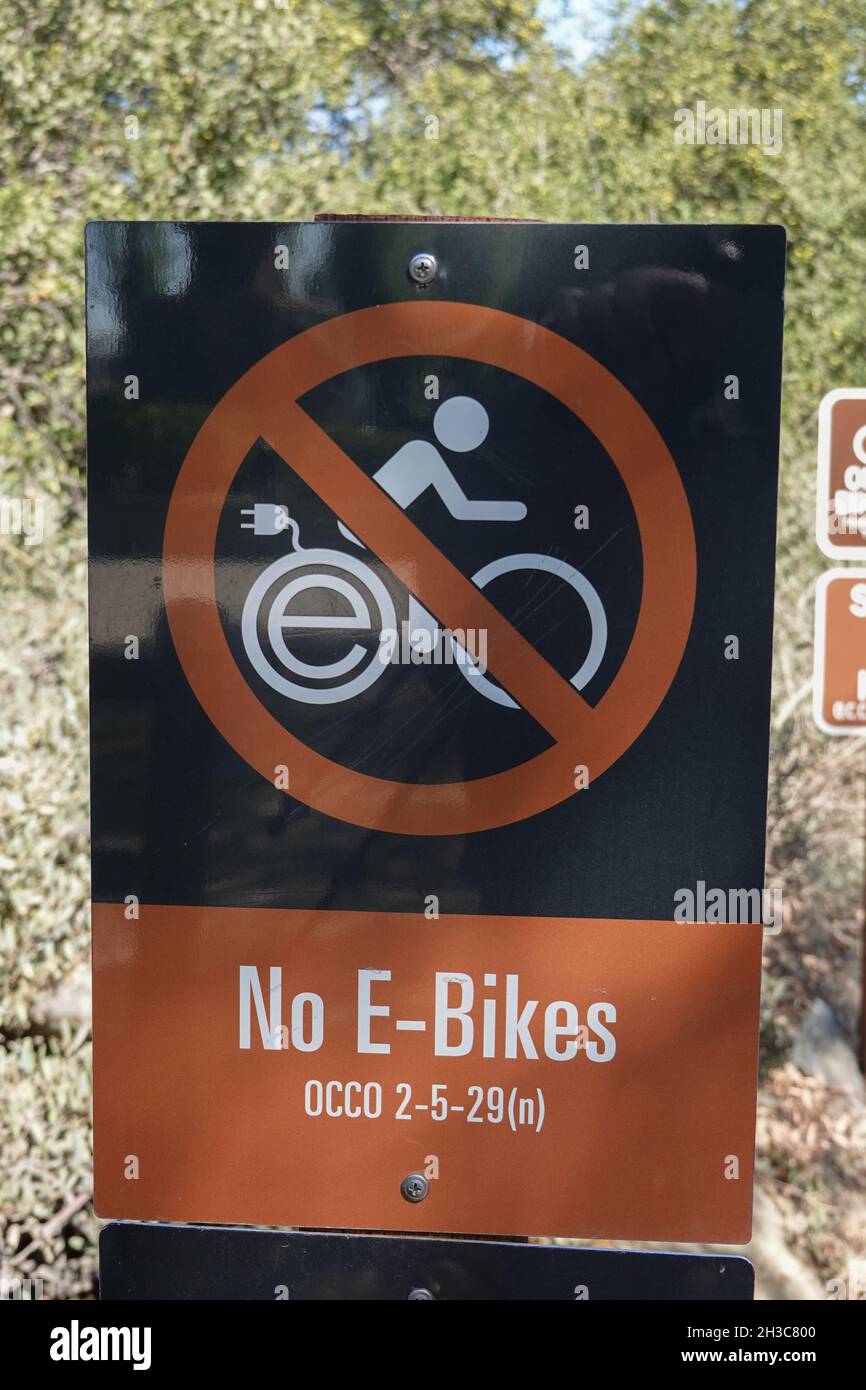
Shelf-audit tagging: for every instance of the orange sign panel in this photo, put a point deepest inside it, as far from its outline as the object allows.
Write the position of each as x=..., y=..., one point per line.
x=591, y=1078
x=839, y=699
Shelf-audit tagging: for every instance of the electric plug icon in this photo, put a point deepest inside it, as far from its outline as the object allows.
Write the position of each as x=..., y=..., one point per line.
x=268, y=518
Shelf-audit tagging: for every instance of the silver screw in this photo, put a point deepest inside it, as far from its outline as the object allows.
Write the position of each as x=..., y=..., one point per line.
x=423, y=268
x=414, y=1187
x=418, y=1294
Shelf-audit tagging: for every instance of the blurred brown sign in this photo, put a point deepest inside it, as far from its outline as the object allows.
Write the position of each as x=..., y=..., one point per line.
x=840, y=652
x=841, y=512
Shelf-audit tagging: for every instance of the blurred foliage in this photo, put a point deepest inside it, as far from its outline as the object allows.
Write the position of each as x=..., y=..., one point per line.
x=278, y=109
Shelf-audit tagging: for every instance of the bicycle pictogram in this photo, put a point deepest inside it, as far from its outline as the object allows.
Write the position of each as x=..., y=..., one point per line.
x=460, y=424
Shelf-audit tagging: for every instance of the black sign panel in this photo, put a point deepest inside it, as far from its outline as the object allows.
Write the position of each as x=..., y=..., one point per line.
x=204, y=1262
x=674, y=312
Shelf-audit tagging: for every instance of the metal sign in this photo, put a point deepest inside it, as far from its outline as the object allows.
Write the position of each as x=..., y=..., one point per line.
x=839, y=688
x=430, y=613
x=210, y=1262
x=840, y=518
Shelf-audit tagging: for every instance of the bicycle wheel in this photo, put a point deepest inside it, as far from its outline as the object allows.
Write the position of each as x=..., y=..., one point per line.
x=371, y=612
x=548, y=564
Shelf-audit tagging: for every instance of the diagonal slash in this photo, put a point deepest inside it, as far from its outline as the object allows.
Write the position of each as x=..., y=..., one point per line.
x=257, y=407
x=455, y=601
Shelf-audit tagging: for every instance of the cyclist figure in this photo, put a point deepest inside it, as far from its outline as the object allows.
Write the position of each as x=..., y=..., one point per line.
x=460, y=424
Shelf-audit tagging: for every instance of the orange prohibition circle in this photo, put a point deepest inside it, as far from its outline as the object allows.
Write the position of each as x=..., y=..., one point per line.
x=263, y=405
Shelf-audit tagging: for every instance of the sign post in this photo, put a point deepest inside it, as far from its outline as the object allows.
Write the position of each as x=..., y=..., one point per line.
x=431, y=603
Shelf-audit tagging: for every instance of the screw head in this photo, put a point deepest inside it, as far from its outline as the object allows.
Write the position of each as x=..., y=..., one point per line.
x=423, y=268
x=418, y=1294
x=414, y=1187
